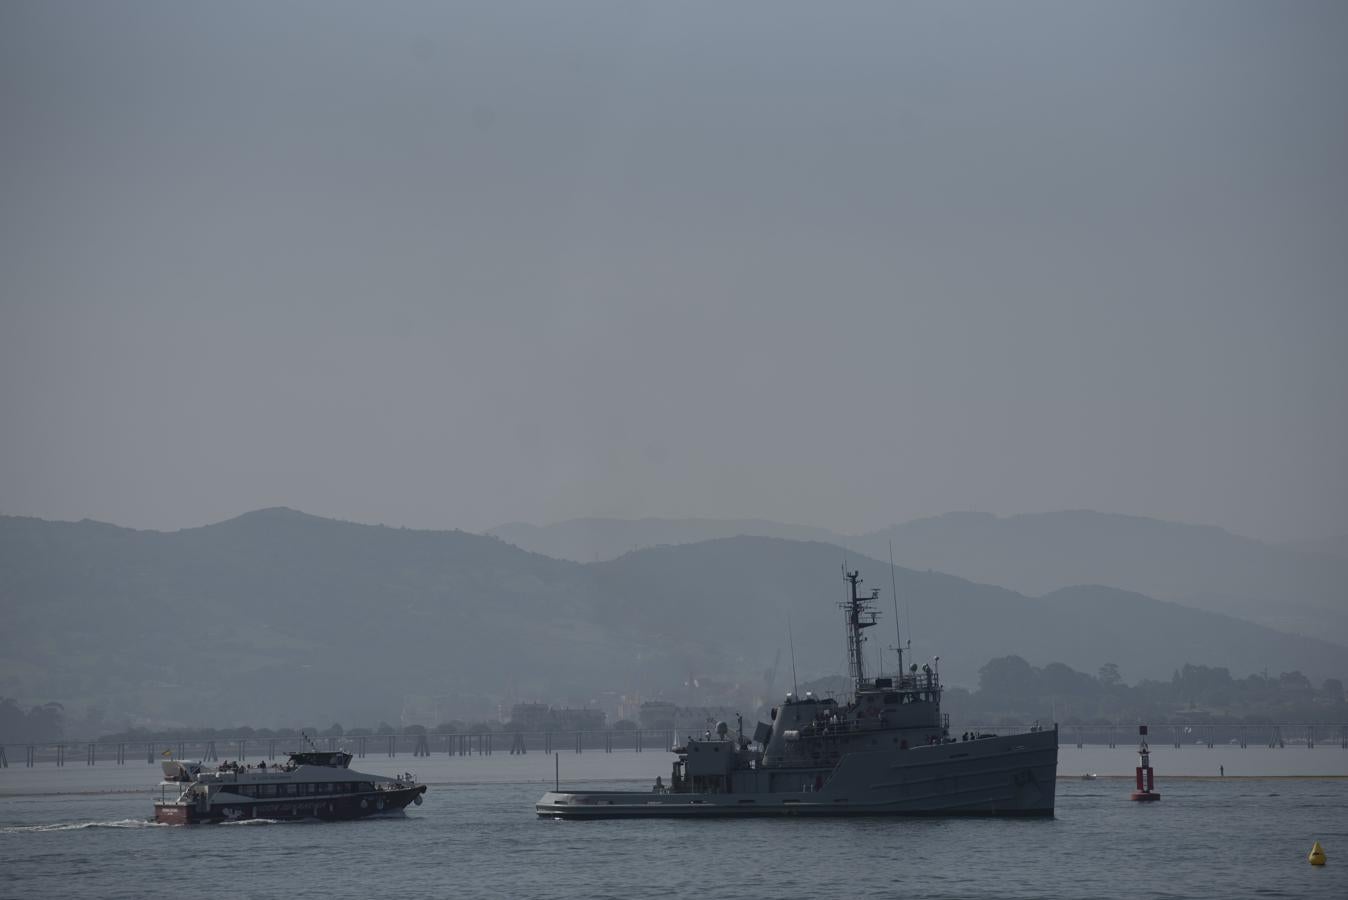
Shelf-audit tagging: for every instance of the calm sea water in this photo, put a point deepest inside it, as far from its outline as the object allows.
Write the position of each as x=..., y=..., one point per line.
x=83, y=833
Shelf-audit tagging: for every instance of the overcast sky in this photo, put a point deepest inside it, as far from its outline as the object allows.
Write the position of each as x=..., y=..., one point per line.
x=457, y=264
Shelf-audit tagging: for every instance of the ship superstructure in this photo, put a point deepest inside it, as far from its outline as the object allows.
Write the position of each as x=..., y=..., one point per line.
x=885, y=751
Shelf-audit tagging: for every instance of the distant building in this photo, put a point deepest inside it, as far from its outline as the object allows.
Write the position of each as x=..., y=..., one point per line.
x=695, y=720
x=578, y=719
x=531, y=716
x=541, y=717
x=658, y=715
x=661, y=715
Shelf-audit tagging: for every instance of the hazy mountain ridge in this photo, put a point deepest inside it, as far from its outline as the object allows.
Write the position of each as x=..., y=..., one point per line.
x=599, y=539
x=278, y=614
x=1330, y=546
x=1197, y=565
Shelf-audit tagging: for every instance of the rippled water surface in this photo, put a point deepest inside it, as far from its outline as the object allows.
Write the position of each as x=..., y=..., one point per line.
x=78, y=833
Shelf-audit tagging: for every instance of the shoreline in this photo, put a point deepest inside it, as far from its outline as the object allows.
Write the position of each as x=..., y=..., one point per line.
x=1159, y=777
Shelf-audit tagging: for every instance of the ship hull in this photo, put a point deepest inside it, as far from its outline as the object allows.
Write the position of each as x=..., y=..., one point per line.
x=1013, y=776
x=351, y=806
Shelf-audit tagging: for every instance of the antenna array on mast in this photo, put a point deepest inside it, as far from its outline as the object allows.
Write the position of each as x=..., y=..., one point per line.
x=855, y=610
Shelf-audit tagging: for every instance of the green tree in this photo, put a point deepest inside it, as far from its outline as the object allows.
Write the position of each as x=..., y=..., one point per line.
x=1007, y=676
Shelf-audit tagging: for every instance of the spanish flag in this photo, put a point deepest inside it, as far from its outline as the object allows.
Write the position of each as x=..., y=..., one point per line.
x=167, y=753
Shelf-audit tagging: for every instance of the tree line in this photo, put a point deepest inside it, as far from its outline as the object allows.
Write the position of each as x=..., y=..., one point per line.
x=36, y=724
x=1012, y=690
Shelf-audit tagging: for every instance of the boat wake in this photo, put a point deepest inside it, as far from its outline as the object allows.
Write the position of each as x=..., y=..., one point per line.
x=79, y=826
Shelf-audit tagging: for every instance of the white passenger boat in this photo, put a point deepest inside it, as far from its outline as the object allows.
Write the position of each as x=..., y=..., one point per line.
x=310, y=785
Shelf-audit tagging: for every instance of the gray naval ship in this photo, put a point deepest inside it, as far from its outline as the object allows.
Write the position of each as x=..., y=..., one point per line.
x=886, y=751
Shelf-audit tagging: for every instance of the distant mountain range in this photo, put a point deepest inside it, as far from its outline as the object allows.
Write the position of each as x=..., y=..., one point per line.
x=1330, y=546
x=1301, y=589
x=277, y=617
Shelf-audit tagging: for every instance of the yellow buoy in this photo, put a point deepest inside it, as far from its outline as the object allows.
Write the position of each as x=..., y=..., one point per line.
x=1317, y=856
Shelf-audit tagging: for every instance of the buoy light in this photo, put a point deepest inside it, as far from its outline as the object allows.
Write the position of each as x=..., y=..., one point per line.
x=1146, y=780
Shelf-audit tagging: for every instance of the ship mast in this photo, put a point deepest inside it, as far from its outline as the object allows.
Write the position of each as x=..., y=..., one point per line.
x=854, y=610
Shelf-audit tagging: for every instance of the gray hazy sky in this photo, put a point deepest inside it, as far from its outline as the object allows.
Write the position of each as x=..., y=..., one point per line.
x=454, y=264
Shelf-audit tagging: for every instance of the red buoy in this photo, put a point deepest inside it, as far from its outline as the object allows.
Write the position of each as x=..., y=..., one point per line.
x=1146, y=779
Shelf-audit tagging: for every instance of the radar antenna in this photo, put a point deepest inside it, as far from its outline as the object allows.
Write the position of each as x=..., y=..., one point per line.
x=894, y=591
x=855, y=609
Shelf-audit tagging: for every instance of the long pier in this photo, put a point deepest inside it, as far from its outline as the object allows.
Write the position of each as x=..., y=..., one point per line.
x=1198, y=734
x=487, y=743
x=63, y=753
